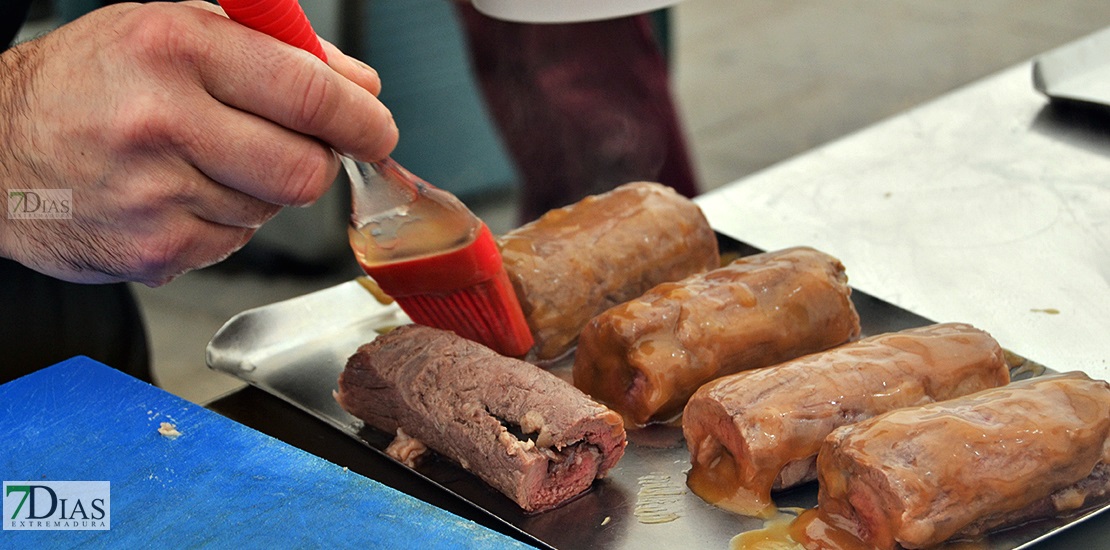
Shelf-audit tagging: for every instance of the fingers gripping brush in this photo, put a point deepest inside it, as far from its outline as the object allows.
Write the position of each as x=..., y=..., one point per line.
x=420, y=244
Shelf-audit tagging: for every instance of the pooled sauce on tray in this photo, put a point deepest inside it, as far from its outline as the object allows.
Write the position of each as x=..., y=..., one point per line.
x=798, y=529
x=718, y=483
x=659, y=499
x=1022, y=368
x=812, y=532
x=775, y=534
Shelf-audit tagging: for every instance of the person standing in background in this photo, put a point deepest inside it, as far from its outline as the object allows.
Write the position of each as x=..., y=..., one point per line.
x=581, y=107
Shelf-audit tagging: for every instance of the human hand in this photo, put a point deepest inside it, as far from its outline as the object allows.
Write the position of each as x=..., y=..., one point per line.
x=179, y=133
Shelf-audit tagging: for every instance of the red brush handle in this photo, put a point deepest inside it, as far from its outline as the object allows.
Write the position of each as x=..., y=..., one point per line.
x=281, y=19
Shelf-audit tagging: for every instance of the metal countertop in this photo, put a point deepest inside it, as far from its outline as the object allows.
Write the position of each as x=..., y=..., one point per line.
x=989, y=205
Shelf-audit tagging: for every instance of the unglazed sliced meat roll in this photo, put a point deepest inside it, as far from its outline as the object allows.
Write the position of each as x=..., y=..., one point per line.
x=757, y=431
x=644, y=358
x=527, y=433
x=577, y=261
x=919, y=476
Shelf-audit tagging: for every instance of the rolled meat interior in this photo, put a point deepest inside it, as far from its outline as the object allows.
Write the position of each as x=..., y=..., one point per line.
x=521, y=429
x=919, y=476
x=646, y=357
x=758, y=431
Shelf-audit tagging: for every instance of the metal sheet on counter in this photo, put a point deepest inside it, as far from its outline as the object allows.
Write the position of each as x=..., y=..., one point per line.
x=1077, y=71
x=296, y=350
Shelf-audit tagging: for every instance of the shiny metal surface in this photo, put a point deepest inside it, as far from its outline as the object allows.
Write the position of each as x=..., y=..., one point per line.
x=296, y=349
x=990, y=205
x=1078, y=71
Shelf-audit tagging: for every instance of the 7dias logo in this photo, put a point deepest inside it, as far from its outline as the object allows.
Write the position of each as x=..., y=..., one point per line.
x=40, y=204
x=57, y=506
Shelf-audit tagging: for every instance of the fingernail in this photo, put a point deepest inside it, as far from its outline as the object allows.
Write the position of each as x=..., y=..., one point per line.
x=363, y=64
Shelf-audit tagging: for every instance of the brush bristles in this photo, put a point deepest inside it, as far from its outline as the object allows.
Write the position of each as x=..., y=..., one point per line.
x=487, y=313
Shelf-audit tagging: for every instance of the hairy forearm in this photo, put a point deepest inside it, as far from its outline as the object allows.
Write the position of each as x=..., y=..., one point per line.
x=17, y=72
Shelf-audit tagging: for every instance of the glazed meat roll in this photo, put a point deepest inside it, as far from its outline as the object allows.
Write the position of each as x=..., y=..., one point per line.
x=577, y=261
x=757, y=431
x=644, y=358
x=919, y=476
x=527, y=433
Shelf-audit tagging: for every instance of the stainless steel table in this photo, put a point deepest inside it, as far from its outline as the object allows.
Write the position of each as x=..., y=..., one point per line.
x=989, y=205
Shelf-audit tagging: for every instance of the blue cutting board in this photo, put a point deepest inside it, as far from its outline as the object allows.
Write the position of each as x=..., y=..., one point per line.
x=219, y=484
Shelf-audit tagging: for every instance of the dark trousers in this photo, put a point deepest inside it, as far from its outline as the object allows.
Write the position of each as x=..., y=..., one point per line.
x=581, y=107
x=44, y=321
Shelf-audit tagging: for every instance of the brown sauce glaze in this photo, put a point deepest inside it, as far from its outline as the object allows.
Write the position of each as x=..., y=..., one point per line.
x=645, y=357
x=575, y=262
x=760, y=430
x=966, y=466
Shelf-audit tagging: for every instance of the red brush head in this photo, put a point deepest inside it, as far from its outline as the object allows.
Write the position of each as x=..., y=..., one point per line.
x=466, y=291
x=281, y=19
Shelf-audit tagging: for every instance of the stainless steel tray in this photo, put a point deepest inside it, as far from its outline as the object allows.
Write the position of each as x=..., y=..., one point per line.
x=296, y=349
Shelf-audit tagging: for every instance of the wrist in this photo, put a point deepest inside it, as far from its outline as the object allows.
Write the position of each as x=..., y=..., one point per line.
x=16, y=73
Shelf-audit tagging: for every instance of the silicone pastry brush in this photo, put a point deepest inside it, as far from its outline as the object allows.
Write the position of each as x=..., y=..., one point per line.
x=420, y=244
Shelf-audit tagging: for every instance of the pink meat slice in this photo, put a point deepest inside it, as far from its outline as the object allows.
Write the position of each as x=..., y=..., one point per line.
x=522, y=430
